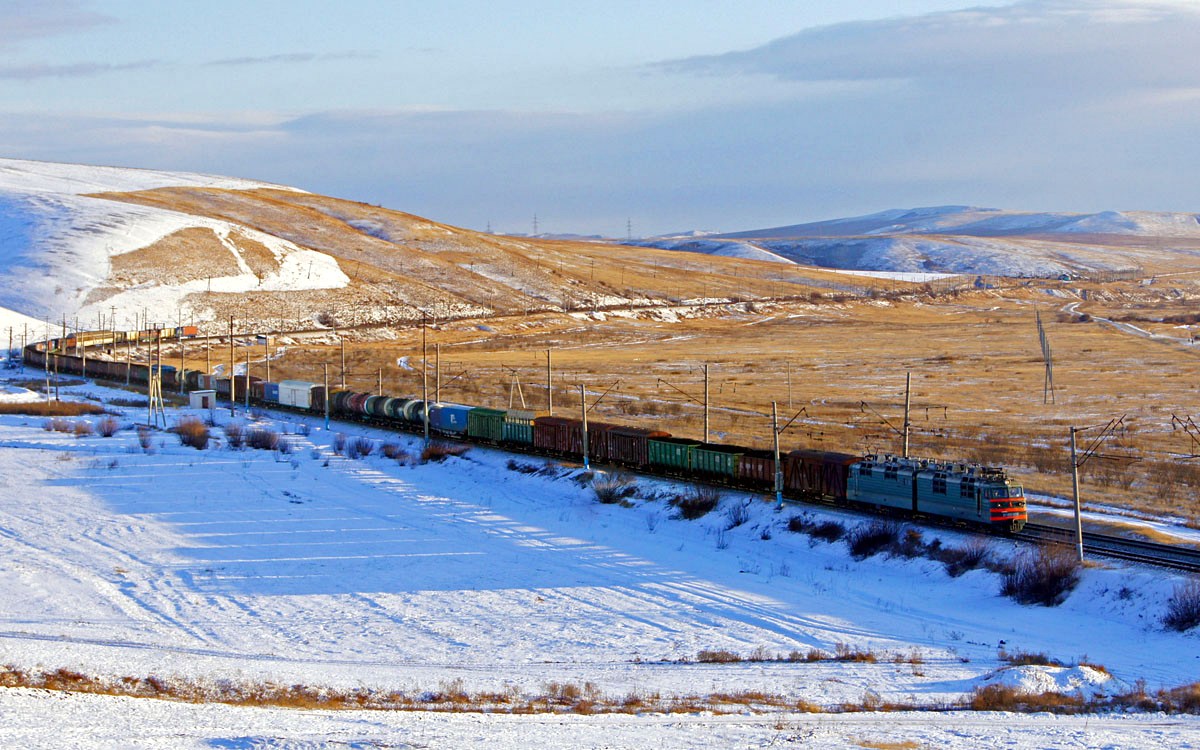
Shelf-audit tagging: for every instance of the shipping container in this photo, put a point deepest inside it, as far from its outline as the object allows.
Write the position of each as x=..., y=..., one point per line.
x=296, y=393
x=518, y=426
x=450, y=419
x=756, y=468
x=673, y=454
x=719, y=461
x=270, y=392
x=816, y=474
x=630, y=446
x=486, y=424
x=558, y=435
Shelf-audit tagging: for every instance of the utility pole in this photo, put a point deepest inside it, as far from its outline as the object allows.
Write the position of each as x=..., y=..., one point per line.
x=706, y=432
x=182, y=353
x=437, y=382
x=549, y=384
x=789, y=383
x=907, y=403
x=1075, y=495
x=325, y=368
x=267, y=354
x=424, y=380
x=343, y=340
x=583, y=405
x=247, y=376
x=778, y=469
x=1077, y=460
x=232, y=382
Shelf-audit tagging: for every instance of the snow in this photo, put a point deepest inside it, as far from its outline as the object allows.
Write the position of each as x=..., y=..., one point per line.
x=56, y=243
x=311, y=568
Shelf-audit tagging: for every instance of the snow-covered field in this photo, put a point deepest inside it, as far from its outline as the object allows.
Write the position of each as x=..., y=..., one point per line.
x=312, y=568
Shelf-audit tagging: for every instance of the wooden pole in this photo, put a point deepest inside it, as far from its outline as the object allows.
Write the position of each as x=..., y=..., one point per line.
x=232, y=382
x=907, y=404
x=706, y=432
x=778, y=469
x=437, y=365
x=424, y=381
x=583, y=409
x=549, y=384
x=1075, y=493
x=325, y=368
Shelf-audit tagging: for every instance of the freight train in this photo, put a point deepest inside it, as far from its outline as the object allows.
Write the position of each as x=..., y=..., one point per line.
x=965, y=493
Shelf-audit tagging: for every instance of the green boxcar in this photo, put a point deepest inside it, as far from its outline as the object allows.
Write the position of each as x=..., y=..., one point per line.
x=486, y=424
x=717, y=460
x=673, y=453
x=518, y=426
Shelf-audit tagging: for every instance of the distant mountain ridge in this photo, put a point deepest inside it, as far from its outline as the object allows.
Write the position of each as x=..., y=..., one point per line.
x=965, y=240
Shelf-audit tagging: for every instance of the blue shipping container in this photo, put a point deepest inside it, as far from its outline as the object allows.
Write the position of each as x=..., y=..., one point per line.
x=449, y=417
x=271, y=392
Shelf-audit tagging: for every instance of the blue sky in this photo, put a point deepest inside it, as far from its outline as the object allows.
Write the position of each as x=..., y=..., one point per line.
x=673, y=115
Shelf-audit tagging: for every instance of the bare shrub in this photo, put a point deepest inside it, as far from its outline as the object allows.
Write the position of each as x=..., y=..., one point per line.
x=339, y=443
x=395, y=451
x=108, y=426
x=697, y=502
x=1183, y=608
x=363, y=446
x=613, y=488
x=235, y=435
x=82, y=428
x=260, y=438
x=828, y=531
x=871, y=538
x=438, y=451
x=145, y=439
x=1043, y=575
x=737, y=515
x=717, y=657
x=845, y=652
x=800, y=524
x=1021, y=658
x=192, y=432
x=959, y=560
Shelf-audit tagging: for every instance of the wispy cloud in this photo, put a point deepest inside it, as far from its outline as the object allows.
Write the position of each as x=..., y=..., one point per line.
x=73, y=70
x=295, y=57
x=1069, y=47
x=33, y=19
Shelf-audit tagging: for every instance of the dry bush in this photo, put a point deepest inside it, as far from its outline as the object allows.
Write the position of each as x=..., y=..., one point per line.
x=1009, y=698
x=438, y=451
x=959, y=560
x=82, y=428
x=717, y=657
x=192, y=432
x=108, y=426
x=613, y=488
x=263, y=439
x=737, y=515
x=871, y=538
x=145, y=439
x=396, y=452
x=828, y=531
x=1021, y=658
x=339, y=443
x=51, y=408
x=800, y=524
x=697, y=502
x=1043, y=575
x=1183, y=608
x=360, y=447
x=235, y=435
x=844, y=652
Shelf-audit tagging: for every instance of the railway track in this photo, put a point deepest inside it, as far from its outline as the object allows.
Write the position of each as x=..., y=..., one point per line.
x=1121, y=548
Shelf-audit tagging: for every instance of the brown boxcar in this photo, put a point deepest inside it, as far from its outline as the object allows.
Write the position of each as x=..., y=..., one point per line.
x=599, y=443
x=757, y=469
x=631, y=445
x=558, y=435
x=812, y=473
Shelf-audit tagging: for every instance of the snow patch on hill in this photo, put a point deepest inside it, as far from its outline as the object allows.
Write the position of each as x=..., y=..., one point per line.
x=56, y=244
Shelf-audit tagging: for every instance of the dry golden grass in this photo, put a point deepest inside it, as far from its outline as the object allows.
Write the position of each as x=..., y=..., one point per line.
x=180, y=257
